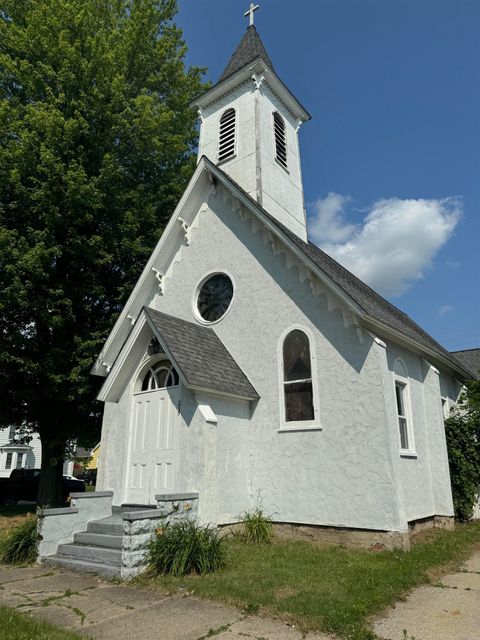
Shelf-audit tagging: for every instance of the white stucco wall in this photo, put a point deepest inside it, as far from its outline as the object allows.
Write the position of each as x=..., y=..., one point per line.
x=348, y=471
x=254, y=166
x=424, y=477
x=339, y=475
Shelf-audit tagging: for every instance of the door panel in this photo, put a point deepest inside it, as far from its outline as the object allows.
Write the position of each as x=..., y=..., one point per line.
x=153, y=457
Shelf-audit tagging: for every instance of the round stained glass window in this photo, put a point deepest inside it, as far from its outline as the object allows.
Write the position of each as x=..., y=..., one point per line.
x=214, y=297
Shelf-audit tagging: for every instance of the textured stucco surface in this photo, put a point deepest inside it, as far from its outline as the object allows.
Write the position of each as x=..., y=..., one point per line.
x=347, y=472
x=254, y=166
x=58, y=526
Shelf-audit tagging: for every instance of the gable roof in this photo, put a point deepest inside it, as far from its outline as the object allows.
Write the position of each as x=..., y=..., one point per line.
x=250, y=48
x=201, y=357
x=373, y=305
x=368, y=305
x=470, y=359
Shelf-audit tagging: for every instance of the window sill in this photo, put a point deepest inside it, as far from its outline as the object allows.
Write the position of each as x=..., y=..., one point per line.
x=408, y=454
x=298, y=426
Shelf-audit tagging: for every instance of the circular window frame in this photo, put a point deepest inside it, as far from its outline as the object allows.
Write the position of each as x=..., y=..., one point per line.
x=196, y=312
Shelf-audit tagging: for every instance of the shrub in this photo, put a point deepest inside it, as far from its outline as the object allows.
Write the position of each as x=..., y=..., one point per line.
x=462, y=430
x=184, y=547
x=20, y=545
x=257, y=527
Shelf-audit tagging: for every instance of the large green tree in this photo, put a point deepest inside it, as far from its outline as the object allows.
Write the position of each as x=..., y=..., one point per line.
x=96, y=146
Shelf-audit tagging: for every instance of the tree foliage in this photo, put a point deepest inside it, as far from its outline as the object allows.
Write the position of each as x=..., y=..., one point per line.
x=463, y=443
x=96, y=147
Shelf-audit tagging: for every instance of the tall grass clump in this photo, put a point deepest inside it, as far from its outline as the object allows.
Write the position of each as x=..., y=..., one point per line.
x=257, y=526
x=19, y=546
x=184, y=547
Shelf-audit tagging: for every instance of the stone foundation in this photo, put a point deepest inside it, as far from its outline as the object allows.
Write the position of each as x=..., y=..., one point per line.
x=352, y=538
x=433, y=522
x=139, y=527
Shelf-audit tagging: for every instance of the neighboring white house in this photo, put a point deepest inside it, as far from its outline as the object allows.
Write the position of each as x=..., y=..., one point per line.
x=16, y=455
x=248, y=362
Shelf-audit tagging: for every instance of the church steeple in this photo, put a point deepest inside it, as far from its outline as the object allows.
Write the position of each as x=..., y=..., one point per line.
x=249, y=126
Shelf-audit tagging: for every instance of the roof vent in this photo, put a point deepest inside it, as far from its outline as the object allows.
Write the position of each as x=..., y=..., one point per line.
x=226, y=144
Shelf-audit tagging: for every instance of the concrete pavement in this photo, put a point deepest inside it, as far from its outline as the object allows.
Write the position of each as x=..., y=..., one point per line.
x=106, y=611
x=446, y=610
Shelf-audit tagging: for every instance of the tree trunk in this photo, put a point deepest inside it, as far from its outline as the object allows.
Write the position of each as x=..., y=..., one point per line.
x=50, y=488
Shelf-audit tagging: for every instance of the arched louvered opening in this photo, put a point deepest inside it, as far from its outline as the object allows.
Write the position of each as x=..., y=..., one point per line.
x=226, y=143
x=280, y=139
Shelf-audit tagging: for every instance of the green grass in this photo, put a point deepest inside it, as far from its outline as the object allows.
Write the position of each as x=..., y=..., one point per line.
x=18, y=626
x=325, y=589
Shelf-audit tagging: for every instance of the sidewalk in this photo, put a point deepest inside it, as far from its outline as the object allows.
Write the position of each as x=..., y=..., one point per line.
x=446, y=610
x=107, y=611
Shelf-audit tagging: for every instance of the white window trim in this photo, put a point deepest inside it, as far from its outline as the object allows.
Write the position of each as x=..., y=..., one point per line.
x=235, y=136
x=196, y=292
x=302, y=425
x=405, y=382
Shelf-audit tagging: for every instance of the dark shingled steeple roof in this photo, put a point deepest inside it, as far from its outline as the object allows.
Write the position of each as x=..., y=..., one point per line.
x=250, y=48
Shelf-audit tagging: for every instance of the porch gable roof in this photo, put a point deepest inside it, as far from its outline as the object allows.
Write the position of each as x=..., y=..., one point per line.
x=201, y=357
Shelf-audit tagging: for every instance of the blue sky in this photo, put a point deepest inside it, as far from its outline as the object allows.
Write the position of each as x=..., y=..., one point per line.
x=391, y=157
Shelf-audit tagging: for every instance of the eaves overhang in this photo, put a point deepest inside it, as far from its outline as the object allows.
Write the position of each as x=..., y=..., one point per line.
x=257, y=67
x=388, y=331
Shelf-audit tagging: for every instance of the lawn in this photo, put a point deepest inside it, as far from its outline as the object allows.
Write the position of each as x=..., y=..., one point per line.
x=19, y=626
x=325, y=589
x=11, y=516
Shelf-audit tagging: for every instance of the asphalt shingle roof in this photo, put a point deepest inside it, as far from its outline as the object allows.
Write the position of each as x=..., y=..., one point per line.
x=470, y=359
x=250, y=48
x=200, y=355
x=366, y=298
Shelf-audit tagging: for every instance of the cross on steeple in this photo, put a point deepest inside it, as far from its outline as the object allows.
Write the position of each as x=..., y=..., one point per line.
x=250, y=12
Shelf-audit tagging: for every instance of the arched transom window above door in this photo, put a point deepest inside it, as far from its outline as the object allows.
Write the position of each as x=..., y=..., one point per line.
x=161, y=375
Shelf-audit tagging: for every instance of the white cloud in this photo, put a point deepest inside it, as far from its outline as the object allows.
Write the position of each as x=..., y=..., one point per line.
x=447, y=308
x=395, y=243
x=452, y=264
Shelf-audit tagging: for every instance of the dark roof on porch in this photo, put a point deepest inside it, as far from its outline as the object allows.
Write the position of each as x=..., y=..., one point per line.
x=200, y=355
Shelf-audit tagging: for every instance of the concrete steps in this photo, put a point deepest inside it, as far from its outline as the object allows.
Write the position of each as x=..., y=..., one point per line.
x=97, y=550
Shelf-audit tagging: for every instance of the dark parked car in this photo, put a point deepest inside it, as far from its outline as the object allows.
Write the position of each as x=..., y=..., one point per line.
x=89, y=476
x=23, y=485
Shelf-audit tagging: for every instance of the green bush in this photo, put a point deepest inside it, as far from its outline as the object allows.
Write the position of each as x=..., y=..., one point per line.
x=20, y=545
x=257, y=527
x=184, y=547
x=462, y=430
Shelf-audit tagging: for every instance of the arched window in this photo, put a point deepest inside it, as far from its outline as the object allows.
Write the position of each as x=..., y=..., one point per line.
x=280, y=139
x=402, y=398
x=226, y=140
x=161, y=376
x=297, y=377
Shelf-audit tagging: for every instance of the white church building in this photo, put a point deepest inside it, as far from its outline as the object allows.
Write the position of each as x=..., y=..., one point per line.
x=247, y=363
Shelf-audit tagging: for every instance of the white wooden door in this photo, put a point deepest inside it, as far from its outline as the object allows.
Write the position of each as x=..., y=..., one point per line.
x=153, y=454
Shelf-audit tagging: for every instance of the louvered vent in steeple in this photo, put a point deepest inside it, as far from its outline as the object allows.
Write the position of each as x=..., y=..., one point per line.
x=226, y=142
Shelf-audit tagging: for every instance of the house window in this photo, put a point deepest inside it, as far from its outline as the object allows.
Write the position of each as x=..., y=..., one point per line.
x=402, y=399
x=400, y=393
x=226, y=140
x=280, y=139
x=297, y=377
x=160, y=376
x=8, y=462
